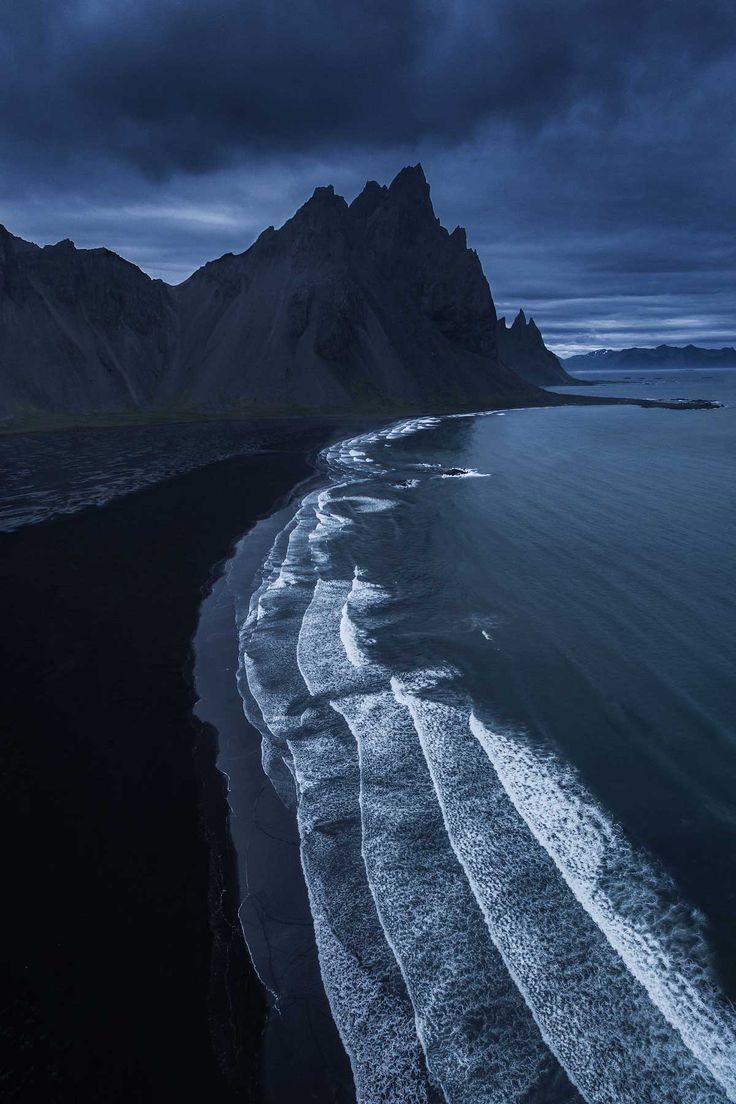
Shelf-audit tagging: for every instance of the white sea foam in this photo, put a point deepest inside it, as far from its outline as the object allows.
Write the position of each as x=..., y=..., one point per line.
x=330, y=828
x=633, y=902
x=353, y=639
x=468, y=894
x=366, y=504
x=478, y=1036
x=615, y=1044
x=363, y=983
x=351, y=456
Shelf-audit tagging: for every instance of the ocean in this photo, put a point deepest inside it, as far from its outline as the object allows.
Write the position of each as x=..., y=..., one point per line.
x=491, y=658
x=484, y=811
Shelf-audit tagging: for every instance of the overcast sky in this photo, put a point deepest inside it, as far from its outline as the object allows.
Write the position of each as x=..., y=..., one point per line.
x=588, y=146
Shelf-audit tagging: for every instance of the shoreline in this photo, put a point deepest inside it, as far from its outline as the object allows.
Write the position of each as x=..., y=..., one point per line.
x=123, y=953
x=311, y=633
x=302, y=1056
x=223, y=1062
x=538, y=397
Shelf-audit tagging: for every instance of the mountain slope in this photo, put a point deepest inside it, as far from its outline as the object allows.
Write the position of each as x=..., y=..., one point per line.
x=521, y=347
x=81, y=330
x=358, y=306
x=371, y=306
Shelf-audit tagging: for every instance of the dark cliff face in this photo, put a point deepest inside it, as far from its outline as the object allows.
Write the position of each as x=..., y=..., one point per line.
x=521, y=347
x=367, y=306
x=371, y=306
x=80, y=329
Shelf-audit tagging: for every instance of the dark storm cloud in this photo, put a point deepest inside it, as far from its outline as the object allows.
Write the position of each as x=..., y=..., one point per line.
x=176, y=84
x=587, y=146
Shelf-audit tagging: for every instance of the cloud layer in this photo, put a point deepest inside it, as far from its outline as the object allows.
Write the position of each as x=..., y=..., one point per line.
x=587, y=146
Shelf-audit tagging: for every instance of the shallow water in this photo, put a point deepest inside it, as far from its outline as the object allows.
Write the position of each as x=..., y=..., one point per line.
x=45, y=474
x=492, y=665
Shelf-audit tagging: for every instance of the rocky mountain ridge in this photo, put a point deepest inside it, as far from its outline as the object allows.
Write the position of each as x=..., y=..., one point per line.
x=662, y=356
x=365, y=307
x=521, y=347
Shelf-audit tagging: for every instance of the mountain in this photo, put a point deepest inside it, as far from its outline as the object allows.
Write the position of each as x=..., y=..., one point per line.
x=663, y=356
x=521, y=347
x=361, y=307
x=81, y=330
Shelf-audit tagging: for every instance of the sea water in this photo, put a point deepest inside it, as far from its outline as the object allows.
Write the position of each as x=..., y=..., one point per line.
x=491, y=659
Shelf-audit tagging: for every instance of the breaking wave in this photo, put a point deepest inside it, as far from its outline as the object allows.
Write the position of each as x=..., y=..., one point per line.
x=486, y=932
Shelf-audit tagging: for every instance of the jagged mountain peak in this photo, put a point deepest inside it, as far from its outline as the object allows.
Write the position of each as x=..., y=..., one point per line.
x=324, y=193
x=366, y=303
x=368, y=307
x=11, y=244
x=521, y=347
x=371, y=188
x=367, y=201
x=322, y=201
x=410, y=177
x=410, y=188
x=411, y=185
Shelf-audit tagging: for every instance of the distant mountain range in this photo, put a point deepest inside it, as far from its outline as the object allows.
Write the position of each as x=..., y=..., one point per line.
x=364, y=307
x=663, y=356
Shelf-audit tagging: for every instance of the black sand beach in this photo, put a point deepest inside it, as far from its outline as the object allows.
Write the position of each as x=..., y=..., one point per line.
x=301, y=1055
x=124, y=974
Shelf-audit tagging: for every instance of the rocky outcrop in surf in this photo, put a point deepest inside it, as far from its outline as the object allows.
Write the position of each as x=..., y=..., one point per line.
x=367, y=306
x=521, y=347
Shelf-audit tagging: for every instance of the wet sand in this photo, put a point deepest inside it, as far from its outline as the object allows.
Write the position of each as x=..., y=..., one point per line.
x=301, y=1057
